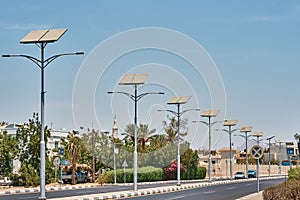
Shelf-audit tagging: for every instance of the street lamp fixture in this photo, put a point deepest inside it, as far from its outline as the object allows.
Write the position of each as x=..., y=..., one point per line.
x=135, y=80
x=270, y=138
x=209, y=114
x=257, y=135
x=178, y=100
x=230, y=123
x=246, y=130
x=41, y=38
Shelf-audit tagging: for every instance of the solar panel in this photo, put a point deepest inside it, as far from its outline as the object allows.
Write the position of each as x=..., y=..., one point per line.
x=230, y=122
x=246, y=129
x=179, y=100
x=38, y=36
x=209, y=113
x=133, y=79
x=257, y=134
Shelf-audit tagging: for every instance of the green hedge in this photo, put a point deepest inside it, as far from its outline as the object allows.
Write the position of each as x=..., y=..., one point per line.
x=145, y=174
x=193, y=173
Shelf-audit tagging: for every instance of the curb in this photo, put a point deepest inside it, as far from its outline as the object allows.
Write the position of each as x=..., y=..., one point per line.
x=157, y=190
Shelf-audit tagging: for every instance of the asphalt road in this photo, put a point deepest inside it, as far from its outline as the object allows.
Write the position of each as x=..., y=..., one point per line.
x=217, y=192
x=79, y=192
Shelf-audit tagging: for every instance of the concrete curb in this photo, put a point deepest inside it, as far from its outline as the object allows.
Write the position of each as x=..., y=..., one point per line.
x=157, y=190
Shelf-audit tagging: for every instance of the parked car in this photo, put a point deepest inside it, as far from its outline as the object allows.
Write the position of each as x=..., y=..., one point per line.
x=286, y=163
x=251, y=173
x=80, y=177
x=239, y=175
x=5, y=181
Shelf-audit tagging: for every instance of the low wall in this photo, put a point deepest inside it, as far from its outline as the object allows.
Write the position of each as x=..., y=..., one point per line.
x=224, y=170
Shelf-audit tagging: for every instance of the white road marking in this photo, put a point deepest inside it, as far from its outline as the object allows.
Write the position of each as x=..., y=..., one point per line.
x=209, y=192
x=180, y=197
x=230, y=188
x=34, y=197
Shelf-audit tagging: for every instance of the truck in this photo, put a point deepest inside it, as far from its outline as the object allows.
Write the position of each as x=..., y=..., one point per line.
x=5, y=181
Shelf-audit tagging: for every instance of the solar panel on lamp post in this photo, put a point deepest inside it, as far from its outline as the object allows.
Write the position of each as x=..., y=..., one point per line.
x=209, y=114
x=230, y=123
x=178, y=100
x=246, y=130
x=41, y=38
x=135, y=80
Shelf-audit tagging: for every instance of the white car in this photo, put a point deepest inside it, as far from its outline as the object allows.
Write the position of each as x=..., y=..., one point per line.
x=5, y=181
x=239, y=175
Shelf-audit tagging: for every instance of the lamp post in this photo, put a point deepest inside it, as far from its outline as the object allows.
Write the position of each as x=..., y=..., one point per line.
x=230, y=123
x=178, y=101
x=270, y=138
x=209, y=114
x=280, y=142
x=41, y=38
x=135, y=80
x=246, y=130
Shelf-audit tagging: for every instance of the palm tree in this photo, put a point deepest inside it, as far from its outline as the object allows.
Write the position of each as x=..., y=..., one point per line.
x=72, y=147
x=171, y=129
x=144, y=134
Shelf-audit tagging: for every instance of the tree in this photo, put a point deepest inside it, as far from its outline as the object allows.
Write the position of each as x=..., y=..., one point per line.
x=9, y=148
x=297, y=137
x=144, y=135
x=29, y=137
x=171, y=129
x=89, y=139
x=73, y=145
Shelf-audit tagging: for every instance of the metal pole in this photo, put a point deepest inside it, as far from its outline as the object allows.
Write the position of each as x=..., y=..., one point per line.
x=178, y=145
x=124, y=175
x=269, y=157
x=246, y=154
x=115, y=168
x=226, y=168
x=230, y=149
x=135, y=141
x=279, y=159
x=257, y=167
x=93, y=156
x=42, y=143
x=209, y=151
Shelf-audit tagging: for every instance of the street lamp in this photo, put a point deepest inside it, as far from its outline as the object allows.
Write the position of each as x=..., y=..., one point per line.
x=230, y=123
x=257, y=135
x=246, y=130
x=270, y=138
x=178, y=101
x=209, y=114
x=41, y=38
x=280, y=142
x=135, y=80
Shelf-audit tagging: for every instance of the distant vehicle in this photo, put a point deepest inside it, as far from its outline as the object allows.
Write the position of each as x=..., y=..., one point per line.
x=5, y=181
x=80, y=177
x=239, y=175
x=251, y=173
x=286, y=163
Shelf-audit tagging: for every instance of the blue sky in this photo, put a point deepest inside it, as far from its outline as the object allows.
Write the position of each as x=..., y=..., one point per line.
x=255, y=46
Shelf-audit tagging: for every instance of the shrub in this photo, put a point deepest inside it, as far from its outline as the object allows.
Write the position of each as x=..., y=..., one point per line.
x=284, y=191
x=294, y=173
x=145, y=174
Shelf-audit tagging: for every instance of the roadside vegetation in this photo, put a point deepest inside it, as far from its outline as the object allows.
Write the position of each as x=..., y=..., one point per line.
x=290, y=189
x=157, y=154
